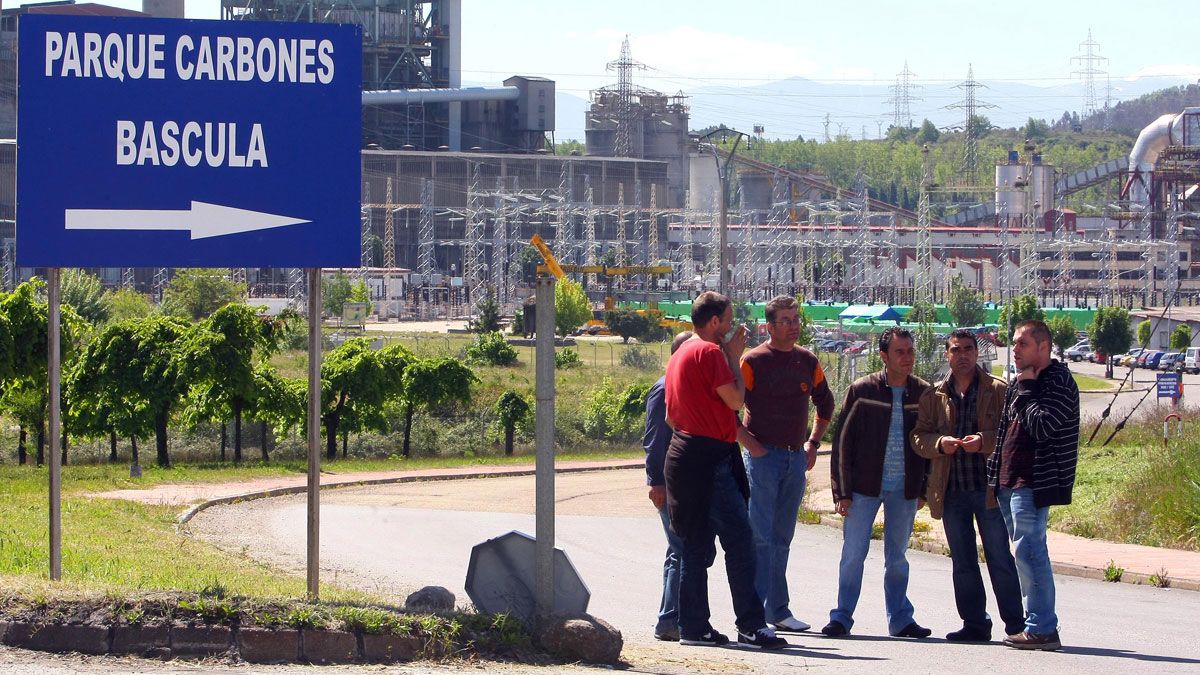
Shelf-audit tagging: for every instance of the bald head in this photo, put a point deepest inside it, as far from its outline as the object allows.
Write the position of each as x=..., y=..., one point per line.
x=680, y=339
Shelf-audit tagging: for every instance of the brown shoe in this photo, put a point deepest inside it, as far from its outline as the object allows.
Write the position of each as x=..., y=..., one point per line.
x=1026, y=640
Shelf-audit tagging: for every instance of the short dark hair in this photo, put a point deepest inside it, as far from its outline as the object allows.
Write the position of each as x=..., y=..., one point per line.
x=885, y=338
x=683, y=337
x=1038, y=329
x=962, y=334
x=777, y=303
x=706, y=306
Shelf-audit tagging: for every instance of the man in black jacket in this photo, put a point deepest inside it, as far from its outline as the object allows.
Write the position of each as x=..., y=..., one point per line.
x=1033, y=468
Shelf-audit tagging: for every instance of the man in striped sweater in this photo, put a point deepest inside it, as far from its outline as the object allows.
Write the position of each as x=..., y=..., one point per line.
x=1032, y=469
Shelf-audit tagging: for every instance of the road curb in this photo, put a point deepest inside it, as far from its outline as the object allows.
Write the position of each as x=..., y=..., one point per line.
x=500, y=472
x=920, y=543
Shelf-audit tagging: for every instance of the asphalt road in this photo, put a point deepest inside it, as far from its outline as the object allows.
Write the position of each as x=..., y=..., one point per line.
x=394, y=539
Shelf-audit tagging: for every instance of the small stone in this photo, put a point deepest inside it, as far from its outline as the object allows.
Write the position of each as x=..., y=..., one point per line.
x=430, y=599
x=581, y=637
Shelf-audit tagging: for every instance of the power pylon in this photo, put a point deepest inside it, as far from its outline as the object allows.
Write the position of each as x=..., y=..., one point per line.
x=903, y=97
x=1090, y=66
x=970, y=106
x=924, y=283
x=626, y=111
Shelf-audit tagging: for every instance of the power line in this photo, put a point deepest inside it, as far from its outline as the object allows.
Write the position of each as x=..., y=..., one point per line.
x=902, y=98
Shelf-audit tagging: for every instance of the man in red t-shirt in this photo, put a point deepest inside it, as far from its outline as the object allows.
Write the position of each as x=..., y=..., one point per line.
x=706, y=480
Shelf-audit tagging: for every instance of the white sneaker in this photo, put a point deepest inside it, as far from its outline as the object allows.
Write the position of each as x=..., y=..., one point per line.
x=792, y=624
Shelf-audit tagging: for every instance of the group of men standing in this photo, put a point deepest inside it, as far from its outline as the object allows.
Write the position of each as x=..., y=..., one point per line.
x=977, y=450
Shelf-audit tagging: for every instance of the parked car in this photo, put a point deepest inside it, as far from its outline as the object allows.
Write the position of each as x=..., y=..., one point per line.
x=1129, y=358
x=1169, y=359
x=1097, y=357
x=1149, y=359
x=856, y=348
x=1191, y=360
x=1079, y=352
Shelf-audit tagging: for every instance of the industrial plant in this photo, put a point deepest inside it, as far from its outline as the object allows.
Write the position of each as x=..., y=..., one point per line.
x=456, y=180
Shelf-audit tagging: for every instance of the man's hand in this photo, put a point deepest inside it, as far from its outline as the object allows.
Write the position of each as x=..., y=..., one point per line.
x=972, y=443
x=658, y=496
x=950, y=445
x=737, y=345
x=920, y=503
x=753, y=447
x=843, y=507
x=812, y=457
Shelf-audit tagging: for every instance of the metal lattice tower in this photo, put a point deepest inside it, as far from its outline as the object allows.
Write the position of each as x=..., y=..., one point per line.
x=861, y=255
x=903, y=97
x=1146, y=232
x=7, y=262
x=626, y=110
x=1029, y=255
x=924, y=282
x=565, y=234
x=970, y=106
x=425, y=258
x=127, y=277
x=237, y=275
x=641, y=254
x=365, y=230
x=589, y=226
x=501, y=258
x=389, y=228
x=653, y=254
x=295, y=286
x=622, y=253
x=162, y=275
x=474, y=277
x=1090, y=67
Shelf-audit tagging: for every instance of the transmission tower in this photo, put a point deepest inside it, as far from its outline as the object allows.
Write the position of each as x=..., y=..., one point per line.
x=1090, y=66
x=425, y=259
x=500, y=245
x=641, y=253
x=653, y=254
x=826, y=125
x=474, y=276
x=364, y=234
x=389, y=228
x=565, y=236
x=589, y=225
x=902, y=98
x=970, y=106
x=626, y=111
x=622, y=253
x=923, y=284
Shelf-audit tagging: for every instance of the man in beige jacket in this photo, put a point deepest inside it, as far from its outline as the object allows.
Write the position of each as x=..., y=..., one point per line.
x=956, y=431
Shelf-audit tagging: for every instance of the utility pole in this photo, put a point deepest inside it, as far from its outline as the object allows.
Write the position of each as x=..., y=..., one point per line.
x=723, y=175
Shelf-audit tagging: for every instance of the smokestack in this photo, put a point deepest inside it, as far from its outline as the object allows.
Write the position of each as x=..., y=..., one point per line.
x=163, y=9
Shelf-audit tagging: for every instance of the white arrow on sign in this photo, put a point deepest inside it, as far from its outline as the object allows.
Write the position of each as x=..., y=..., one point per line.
x=202, y=220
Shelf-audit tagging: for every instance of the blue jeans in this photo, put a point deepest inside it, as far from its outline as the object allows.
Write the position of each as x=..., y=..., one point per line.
x=728, y=521
x=1027, y=528
x=898, y=515
x=668, y=609
x=962, y=510
x=776, y=491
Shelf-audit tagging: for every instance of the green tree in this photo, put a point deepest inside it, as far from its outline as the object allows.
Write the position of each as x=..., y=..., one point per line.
x=1062, y=331
x=1023, y=308
x=512, y=410
x=1143, y=332
x=922, y=312
x=194, y=293
x=627, y=323
x=335, y=292
x=217, y=358
x=571, y=306
x=1109, y=333
x=1036, y=130
x=360, y=293
x=355, y=383
x=487, y=315
x=430, y=384
x=83, y=292
x=126, y=303
x=1181, y=337
x=965, y=304
x=928, y=133
x=128, y=380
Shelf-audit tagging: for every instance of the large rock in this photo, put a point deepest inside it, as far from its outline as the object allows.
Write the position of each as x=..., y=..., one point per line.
x=581, y=637
x=430, y=599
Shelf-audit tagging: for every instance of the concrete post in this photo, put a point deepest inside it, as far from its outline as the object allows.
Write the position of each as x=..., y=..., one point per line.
x=314, y=433
x=54, y=372
x=544, y=470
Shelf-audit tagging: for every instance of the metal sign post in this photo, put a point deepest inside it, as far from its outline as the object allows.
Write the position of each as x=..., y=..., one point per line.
x=544, y=468
x=190, y=144
x=314, y=433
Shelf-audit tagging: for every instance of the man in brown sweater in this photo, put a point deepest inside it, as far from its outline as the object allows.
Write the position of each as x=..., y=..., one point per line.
x=781, y=377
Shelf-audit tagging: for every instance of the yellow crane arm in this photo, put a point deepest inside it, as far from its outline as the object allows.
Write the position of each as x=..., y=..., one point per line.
x=547, y=255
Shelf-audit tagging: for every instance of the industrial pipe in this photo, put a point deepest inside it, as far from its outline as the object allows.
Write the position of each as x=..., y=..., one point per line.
x=1154, y=138
x=422, y=96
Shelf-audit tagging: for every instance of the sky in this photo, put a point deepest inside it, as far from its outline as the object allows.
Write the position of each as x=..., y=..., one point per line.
x=689, y=45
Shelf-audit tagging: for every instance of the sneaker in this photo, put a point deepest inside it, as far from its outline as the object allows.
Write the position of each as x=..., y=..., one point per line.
x=913, y=630
x=763, y=638
x=835, y=629
x=709, y=639
x=792, y=624
x=1026, y=640
x=668, y=635
x=967, y=634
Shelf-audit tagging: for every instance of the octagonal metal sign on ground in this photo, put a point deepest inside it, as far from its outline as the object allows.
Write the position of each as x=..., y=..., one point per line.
x=183, y=143
x=500, y=578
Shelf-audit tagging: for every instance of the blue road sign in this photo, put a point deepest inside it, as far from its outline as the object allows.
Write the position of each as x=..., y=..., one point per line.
x=177, y=143
x=1169, y=385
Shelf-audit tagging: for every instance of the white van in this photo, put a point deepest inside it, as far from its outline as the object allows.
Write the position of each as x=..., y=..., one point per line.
x=1191, y=360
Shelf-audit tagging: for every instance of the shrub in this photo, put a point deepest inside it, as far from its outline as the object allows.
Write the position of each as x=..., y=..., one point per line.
x=567, y=358
x=627, y=323
x=615, y=415
x=1113, y=573
x=491, y=349
x=640, y=359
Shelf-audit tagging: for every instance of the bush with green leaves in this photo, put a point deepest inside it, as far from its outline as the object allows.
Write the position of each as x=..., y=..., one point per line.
x=567, y=358
x=1181, y=337
x=641, y=359
x=627, y=323
x=512, y=411
x=491, y=349
x=614, y=415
